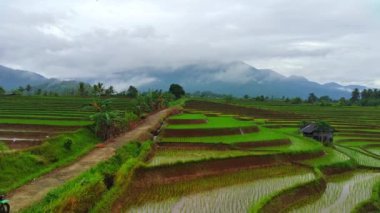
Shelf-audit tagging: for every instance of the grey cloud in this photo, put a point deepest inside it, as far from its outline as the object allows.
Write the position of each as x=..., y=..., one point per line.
x=323, y=40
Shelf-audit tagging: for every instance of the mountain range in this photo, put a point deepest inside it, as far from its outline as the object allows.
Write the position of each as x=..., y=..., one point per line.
x=235, y=78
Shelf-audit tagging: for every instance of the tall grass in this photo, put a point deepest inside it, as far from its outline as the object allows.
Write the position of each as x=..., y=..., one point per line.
x=20, y=167
x=95, y=186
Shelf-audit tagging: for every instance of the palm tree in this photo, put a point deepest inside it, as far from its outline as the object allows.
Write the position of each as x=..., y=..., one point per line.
x=110, y=91
x=107, y=122
x=82, y=89
x=98, y=89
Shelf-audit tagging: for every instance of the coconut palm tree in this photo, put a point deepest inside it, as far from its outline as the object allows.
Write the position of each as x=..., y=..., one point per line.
x=107, y=122
x=98, y=89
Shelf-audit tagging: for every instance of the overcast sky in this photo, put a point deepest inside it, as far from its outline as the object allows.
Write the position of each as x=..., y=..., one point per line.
x=323, y=40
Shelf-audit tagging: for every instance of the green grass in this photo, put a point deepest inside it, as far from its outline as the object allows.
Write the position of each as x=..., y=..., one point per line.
x=187, y=116
x=175, y=156
x=3, y=147
x=298, y=145
x=263, y=135
x=89, y=189
x=215, y=122
x=20, y=167
x=39, y=110
x=331, y=158
x=360, y=158
x=46, y=122
x=374, y=150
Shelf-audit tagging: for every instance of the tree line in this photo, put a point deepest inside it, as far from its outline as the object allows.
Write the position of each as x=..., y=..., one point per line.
x=86, y=90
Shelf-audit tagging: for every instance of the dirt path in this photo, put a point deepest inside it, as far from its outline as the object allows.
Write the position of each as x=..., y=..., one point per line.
x=37, y=189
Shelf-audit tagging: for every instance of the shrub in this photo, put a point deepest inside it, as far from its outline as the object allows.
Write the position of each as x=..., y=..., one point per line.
x=67, y=144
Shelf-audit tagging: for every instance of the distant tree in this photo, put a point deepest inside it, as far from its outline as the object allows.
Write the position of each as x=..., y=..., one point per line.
x=2, y=91
x=325, y=98
x=98, y=89
x=312, y=98
x=82, y=89
x=246, y=96
x=228, y=99
x=109, y=91
x=132, y=92
x=296, y=100
x=39, y=92
x=342, y=101
x=21, y=89
x=260, y=98
x=177, y=90
x=355, y=96
x=28, y=88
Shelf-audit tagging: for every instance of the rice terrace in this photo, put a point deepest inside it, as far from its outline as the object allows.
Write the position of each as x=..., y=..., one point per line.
x=211, y=106
x=200, y=155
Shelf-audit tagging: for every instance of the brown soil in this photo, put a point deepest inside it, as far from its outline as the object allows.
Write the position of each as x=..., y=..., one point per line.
x=13, y=134
x=371, y=146
x=335, y=170
x=187, y=171
x=241, y=110
x=47, y=118
x=368, y=208
x=38, y=188
x=186, y=121
x=220, y=146
x=22, y=144
x=208, y=132
x=279, y=142
x=280, y=126
x=192, y=146
x=294, y=196
x=45, y=128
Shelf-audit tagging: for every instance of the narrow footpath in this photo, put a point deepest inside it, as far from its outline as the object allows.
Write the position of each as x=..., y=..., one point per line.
x=38, y=188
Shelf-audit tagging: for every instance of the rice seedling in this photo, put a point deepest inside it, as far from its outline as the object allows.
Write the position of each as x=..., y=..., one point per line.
x=262, y=135
x=175, y=156
x=374, y=150
x=246, y=189
x=360, y=158
x=343, y=195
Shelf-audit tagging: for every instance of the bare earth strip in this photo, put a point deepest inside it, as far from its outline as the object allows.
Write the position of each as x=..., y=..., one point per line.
x=37, y=189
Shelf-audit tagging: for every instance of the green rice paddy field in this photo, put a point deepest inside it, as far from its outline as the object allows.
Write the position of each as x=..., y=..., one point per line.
x=33, y=119
x=242, y=157
x=346, y=172
x=33, y=133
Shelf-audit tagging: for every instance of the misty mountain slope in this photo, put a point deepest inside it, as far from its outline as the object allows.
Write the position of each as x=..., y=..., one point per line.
x=11, y=78
x=236, y=78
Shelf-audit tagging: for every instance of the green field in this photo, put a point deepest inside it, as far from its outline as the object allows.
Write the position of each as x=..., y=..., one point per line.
x=214, y=122
x=270, y=168
x=49, y=116
x=33, y=132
